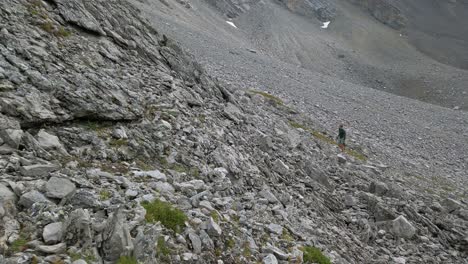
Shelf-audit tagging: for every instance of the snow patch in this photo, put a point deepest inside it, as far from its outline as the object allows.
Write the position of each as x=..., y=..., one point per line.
x=232, y=24
x=325, y=24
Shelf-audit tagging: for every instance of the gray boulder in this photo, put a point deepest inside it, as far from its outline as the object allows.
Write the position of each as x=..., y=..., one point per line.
x=59, y=187
x=280, y=167
x=52, y=233
x=402, y=228
x=6, y=194
x=117, y=238
x=270, y=259
x=276, y=229
x=12, y=137
x=341, y=158
x=379, y=188
x=196, y=242
x=269, y=196
x=48, y=141
x=38, y=170
x=451, y=205
x=212, y=228
x=28, y=199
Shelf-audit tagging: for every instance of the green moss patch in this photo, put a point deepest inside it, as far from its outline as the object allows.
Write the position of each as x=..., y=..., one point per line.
x=271, y=98
x=169, y=216
x=314, y=255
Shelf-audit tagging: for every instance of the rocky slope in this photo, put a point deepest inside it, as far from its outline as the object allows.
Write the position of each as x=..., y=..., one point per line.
x=100, y=113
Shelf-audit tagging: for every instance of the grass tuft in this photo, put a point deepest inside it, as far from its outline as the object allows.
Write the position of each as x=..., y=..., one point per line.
x=104, y=195
x=271, y=98
x=117, y=143
x=230, y=243
x=162, y=248
x=169, y=216
x=127, y=260
x=314, y=255
x=19, y=244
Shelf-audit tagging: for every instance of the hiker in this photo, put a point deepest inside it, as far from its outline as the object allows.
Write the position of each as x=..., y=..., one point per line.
x=341, y=138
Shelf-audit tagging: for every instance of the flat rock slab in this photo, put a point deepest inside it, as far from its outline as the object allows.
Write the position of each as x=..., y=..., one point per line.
x=59, y=187
x=38, y=170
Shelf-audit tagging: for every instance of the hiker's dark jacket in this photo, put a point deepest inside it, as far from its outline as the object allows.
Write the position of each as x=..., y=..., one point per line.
x=341, y=133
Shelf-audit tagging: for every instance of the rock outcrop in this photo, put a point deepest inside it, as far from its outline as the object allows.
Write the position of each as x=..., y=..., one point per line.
x=384, y=11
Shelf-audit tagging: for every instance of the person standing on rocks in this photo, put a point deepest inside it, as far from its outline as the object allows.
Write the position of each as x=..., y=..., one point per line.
x=341, y=138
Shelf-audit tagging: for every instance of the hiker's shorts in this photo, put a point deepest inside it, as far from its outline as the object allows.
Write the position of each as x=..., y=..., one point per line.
x=341, y=141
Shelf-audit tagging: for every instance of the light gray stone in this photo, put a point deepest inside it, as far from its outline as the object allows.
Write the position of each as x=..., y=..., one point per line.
x=119, y=133
x=80, y=261
x=28, y=199
x=451, y=205
x=163, y=187
x=54, y=249
x=196, y=242
x=341, y=158
x=52, y=233
x=38, y=170
x=48, y=141
x=6, y=194
x=280, y=167
x=12, y=137
x=213, y=229
x=349, y=200
x=402, y=228
x=269, y=196
x=155, y=174
x=59, y=187
x=131, y=193
x=274, y=228
x=270, y=259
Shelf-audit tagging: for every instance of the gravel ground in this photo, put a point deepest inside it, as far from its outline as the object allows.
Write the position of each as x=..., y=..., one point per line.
x=410, y=135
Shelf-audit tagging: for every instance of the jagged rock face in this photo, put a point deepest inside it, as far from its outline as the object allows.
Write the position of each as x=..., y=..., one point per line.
x=112, y=114
x=384, y=11
x=321, y=9
x=233, y=8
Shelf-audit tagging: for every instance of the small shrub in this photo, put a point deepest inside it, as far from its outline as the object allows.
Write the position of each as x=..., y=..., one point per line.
x=162, y=249
x=117, y=143
x=144, y=165
x=246, y=252
x=104, y=195
x=127, y=260
x=48, y=27
x=62, y=32
x=287, y=236
x=170, y=217
x=215, y=216
x=314, y=255
x=271, y=98
x=19, y=244
x=230, y=243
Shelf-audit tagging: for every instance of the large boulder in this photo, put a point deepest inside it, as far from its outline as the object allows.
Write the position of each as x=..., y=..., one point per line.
x=52, y=233
x=59, y=187
x=402, y=228
x=38, y=170
x=49, y=142
x=6, y=194
x=28, y=199
x=384, y=11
